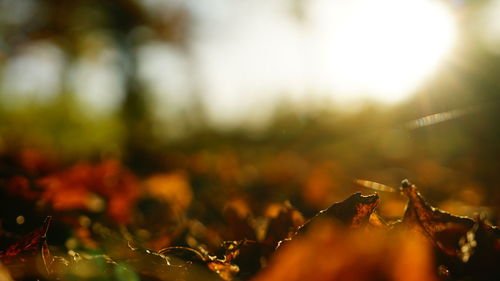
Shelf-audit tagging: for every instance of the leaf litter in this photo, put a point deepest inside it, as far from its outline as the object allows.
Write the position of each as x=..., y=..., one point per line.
x=346, y=241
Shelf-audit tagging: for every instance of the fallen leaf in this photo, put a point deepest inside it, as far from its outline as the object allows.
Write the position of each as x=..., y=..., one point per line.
x=441, y=227
x=332, y=252
x=353, y=212
x=30, y=254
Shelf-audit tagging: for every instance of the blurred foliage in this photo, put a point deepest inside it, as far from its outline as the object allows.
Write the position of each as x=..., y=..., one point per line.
x=120, y=176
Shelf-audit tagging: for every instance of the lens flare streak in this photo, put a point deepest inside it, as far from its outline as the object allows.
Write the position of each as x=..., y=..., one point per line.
x=375, y=185
x=436, y=118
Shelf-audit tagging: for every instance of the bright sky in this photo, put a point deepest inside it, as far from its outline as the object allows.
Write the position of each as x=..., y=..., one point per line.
x=247, y=56
x=254, y=53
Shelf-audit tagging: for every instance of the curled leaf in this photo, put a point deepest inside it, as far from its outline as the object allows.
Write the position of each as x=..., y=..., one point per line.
x=353, y=212
x=29, y=255
x=30, y=244
x=441, y=227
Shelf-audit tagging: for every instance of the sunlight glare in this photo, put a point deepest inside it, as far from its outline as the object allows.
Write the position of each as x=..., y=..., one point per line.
x=385, y=49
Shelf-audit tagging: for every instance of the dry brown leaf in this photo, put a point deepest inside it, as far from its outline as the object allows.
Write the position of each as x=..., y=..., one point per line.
x=332, y=252
x=353, y=212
